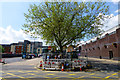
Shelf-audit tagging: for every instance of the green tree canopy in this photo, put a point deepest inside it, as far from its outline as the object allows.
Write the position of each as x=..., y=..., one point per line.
x=61, y=23
x=1, y=49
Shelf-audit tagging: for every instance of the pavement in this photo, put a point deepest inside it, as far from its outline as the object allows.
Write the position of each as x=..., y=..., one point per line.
x=58, y=74
x=28, y=64
x=108, y=61
x=27, y=70
x=11, y=60
x=104, y=64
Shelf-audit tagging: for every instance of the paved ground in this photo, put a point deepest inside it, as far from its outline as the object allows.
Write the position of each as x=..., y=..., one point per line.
x=104, y=64
x=57, y=74
x=27, y=69
x=11, y=60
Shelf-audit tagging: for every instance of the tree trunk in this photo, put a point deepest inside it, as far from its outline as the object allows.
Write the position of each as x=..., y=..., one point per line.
x=61, y=49
x=61, y=52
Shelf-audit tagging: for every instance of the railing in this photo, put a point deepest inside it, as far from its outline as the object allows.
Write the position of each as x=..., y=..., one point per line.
x=56, y=64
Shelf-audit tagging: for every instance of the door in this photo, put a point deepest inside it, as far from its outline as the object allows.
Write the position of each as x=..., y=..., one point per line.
x=110, y=54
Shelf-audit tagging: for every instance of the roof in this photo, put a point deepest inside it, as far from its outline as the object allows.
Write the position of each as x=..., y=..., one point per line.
x=5, y=45
x=14, y=44
x=110, y=31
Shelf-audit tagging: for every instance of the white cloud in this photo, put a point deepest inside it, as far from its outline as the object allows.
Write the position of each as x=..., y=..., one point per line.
x=115, y=1
x=9, y=35
x=112, y=22
x=109, y=25
x=117, y=11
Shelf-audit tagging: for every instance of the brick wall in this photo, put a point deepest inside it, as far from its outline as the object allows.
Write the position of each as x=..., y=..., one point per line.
x=18, y=49
x=103, y=47
x=7, y=49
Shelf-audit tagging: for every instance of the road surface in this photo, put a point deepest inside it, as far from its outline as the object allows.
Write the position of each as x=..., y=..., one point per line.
x=14, y=59
x=27, y=70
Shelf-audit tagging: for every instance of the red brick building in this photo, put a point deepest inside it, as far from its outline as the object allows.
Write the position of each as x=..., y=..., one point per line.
x=107, y=46
x=7, y=48
x=19, y=49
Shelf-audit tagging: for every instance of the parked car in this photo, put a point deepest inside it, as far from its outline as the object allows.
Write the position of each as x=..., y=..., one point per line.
x=39, y=55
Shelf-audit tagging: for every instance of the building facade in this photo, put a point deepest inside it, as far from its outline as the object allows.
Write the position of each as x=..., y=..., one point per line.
x=19, y=49
x=108, y=46
x=22, y=47
x=7, y=48
x=39, y=50
x=13, y=48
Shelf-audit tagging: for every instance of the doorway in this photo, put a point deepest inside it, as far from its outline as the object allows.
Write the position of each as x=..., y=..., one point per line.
x=110, y=54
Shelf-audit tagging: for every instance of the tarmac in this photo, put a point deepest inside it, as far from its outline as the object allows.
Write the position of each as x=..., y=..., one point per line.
x=27, y=69
x=107, y=61
x=36, y=61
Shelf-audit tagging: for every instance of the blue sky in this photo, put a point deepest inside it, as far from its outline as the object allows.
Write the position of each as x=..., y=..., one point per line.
x=13, y=13
x=12, y=17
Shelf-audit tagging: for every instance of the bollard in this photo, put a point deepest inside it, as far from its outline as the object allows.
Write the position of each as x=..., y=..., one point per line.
x=62, y=67
x=55, y=57
x=40, y=63
x=80, y=67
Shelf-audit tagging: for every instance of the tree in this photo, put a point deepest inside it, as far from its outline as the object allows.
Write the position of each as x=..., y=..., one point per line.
x=61, y=23
x=1, y=49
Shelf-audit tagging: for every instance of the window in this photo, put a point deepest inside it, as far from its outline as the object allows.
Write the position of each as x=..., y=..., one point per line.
x=99, y=48
x=93, y=48
x=90, y=49
x=105, y=46
x=38, y=50
x=17, y=49
x=115, y=45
